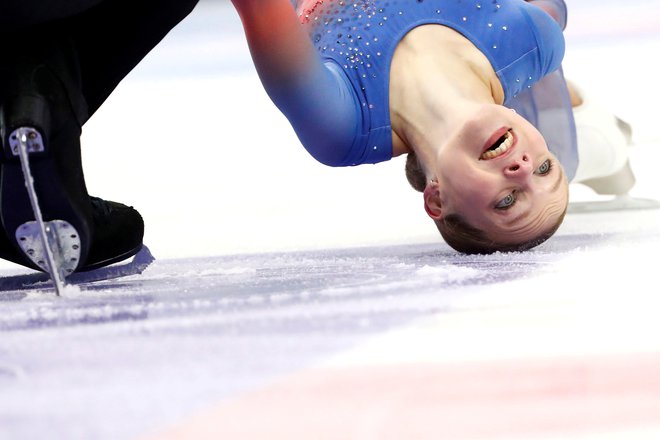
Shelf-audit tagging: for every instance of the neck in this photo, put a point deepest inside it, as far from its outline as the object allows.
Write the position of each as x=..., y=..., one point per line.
x=438, y=78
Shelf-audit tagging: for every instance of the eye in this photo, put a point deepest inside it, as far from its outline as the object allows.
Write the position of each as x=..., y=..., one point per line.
x=545, y=167
x=506, y=202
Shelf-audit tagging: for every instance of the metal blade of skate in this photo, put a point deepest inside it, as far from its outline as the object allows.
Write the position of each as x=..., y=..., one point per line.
x=138, y=264
x=135, y=266
x=618, y=203
x=43, y=242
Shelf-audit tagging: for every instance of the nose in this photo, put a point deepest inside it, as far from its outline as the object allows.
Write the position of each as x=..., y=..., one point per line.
x=519, y=167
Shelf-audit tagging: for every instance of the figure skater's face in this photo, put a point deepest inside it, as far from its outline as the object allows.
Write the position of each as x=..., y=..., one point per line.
x=497, y=172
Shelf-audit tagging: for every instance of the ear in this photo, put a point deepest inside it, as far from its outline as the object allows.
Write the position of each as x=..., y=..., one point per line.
x=432, y=202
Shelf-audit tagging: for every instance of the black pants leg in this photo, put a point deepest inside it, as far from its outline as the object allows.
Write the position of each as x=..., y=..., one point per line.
x=113, y=37
x=19, y=14
x=91, y=44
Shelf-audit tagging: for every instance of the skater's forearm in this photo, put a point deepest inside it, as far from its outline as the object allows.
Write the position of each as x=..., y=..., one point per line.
x=282, y=52
x=315, y=98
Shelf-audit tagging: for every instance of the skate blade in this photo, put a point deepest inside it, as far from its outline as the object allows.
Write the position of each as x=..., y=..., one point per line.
x=42, y=238
x=63, y=240
x=140, y=262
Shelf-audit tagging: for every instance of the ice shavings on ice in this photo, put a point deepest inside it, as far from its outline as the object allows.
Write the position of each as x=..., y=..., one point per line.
x=449, y=274
x=245, y=283
x=221, y=271
x=423, y=278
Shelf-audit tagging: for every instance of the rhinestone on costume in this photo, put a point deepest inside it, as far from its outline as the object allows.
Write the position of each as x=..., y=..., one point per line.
x=352, y=36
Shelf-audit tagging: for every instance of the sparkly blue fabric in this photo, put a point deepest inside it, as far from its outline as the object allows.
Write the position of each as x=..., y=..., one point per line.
x=357, y=39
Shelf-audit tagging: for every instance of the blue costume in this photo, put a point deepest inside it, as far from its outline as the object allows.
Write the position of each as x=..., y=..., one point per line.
x=356, y=41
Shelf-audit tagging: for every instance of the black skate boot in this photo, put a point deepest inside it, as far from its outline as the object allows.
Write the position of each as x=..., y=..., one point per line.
x=41, y=113
x=118, y=232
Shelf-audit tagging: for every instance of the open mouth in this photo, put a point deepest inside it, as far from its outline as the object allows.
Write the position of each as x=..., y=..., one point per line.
x=501, y=145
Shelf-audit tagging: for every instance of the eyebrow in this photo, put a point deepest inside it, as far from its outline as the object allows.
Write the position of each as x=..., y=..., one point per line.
x=555, y=187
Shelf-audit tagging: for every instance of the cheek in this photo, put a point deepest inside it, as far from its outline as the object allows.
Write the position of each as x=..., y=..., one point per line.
x=537, y=142
x=532, y=137
x=474, y=180
x=470, y=191
x=463, y=178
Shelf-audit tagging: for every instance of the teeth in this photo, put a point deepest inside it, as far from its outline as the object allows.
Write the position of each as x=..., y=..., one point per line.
x=501, y=149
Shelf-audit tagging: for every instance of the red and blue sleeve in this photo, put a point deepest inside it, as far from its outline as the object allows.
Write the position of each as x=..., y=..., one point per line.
x=314, y=96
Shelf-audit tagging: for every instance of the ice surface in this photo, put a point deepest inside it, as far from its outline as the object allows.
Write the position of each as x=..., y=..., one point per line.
x=270, y=264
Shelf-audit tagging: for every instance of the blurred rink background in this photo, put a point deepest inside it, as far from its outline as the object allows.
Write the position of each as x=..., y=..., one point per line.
x=375, y=330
